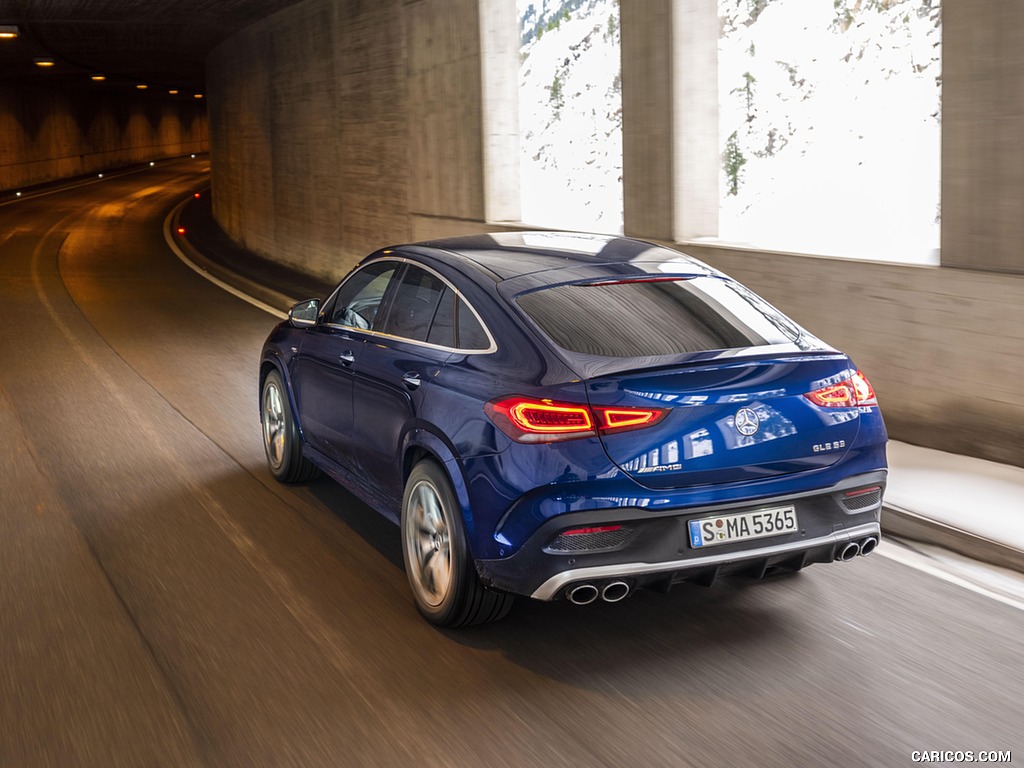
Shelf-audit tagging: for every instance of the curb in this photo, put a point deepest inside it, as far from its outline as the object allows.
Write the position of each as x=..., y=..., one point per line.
x=910, y=525
x=267, y=299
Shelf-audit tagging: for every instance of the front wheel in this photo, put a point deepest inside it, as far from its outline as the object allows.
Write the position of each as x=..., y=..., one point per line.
x=280, y=435
x=445, y=586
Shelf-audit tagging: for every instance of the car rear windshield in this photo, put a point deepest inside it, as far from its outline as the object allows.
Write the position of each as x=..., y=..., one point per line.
x=653, y=317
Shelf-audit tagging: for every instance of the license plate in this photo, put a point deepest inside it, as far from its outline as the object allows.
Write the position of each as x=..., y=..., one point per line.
x=711, y=531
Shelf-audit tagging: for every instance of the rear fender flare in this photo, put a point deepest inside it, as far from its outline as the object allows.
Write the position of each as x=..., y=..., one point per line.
x=438, y=449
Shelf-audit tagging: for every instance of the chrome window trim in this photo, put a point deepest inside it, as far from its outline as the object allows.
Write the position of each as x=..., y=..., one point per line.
x=459, y=296
x=552, y=586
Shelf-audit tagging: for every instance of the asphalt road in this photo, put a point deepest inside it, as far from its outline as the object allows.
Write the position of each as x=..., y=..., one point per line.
x=165, y=603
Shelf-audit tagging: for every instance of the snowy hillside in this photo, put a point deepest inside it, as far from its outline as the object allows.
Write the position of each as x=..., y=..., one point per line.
x=829, y=123
x=830, y=126
x=570, y=113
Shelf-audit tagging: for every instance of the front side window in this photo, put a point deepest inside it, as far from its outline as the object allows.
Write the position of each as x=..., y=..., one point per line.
x=359, y=298
x=644, y=318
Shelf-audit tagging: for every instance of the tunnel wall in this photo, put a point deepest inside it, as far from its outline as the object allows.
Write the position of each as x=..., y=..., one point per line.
x=336, y=125
x=341, y=126
x=47, y=135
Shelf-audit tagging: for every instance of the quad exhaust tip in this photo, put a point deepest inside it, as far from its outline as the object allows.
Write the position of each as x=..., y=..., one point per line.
x=612, y=592
x=617, y=590
x=584, y=594
x=846, y=552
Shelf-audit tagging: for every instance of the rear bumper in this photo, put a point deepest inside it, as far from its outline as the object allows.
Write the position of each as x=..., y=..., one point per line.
x=656, y=551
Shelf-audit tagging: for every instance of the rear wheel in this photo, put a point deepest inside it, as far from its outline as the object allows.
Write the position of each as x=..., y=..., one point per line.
x=281, y=436
x=445, y=586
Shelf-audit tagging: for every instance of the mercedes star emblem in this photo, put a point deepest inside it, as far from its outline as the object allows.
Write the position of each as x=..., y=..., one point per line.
x=746, y=422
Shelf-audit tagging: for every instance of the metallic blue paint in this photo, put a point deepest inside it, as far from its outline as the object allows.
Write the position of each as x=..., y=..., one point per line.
x=361, y=423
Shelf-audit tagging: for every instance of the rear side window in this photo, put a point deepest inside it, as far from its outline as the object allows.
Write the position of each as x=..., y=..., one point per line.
x=456, y=326
x=414, y=304
x=442, y=332
x=653, y=318
x=471, y=334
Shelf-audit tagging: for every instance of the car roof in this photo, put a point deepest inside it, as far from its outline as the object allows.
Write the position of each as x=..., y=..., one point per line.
x=507, y=255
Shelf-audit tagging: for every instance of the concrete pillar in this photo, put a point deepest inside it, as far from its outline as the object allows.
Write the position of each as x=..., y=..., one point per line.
x=983, y=135
x=499, y=54
x=647, y=118
x=443, y=86
x=670, y=118
x=698, y=151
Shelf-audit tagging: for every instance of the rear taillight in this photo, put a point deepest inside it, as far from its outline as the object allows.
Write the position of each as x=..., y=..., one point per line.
x=865, y=392
x=541, y=418
x=530, y=420
x=848, y=393
x=628, y=418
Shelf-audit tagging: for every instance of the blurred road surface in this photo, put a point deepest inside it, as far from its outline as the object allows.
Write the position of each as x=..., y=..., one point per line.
x=165, y=603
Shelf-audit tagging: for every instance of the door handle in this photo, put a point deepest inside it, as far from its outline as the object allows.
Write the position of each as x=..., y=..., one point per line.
x=412, y=380
x=347, y=358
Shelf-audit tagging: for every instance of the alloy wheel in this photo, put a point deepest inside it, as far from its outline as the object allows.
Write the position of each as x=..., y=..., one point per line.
x=428, y=542
x=274, y=425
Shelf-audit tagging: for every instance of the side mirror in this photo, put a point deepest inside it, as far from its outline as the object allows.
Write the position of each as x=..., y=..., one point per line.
x=305, y=313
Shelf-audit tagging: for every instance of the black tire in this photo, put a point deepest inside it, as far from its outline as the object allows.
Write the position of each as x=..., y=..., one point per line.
x=281, y=440
x=444, y=582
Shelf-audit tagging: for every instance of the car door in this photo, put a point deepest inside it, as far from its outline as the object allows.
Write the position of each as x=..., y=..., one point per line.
x=323, y=371
x=394, y=371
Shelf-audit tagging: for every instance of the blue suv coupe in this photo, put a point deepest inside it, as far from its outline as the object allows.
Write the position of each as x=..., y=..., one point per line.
x=573, y=417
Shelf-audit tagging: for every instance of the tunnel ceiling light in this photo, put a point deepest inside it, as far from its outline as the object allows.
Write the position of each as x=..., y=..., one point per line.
x=8, y=31
x=173, y=91
x=142, y=86
x=98, y=78
x=44, y=62
x=198, y=95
